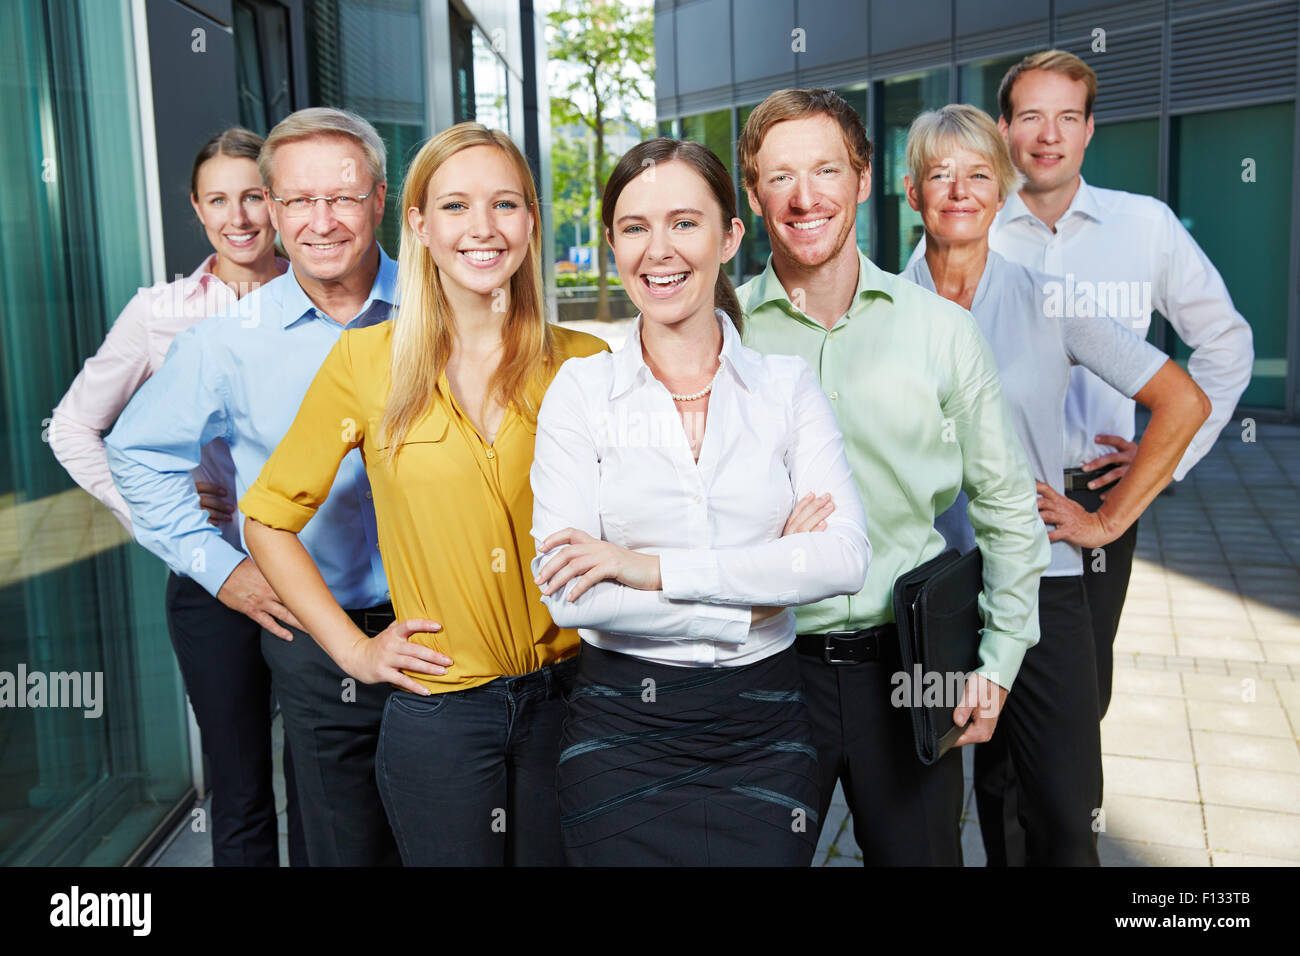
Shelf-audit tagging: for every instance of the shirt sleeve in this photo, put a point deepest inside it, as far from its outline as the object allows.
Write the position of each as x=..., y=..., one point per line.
x=1191, y=294
x=157, y=442
x=565, y=478
x=296, y=479
x=1114, y=353
x=1003, y=507
x=798, y=568
x=94, y=400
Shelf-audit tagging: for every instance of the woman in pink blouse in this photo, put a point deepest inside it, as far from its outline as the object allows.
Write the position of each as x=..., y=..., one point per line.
x=219, y=648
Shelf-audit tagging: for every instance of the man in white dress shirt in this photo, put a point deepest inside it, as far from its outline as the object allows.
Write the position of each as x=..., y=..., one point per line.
x=1132, y=255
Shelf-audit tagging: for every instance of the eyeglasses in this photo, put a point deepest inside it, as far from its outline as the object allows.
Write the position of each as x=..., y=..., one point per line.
x=300, y=207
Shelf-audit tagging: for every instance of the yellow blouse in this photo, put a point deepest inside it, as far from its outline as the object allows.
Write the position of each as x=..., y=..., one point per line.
x=454, y=513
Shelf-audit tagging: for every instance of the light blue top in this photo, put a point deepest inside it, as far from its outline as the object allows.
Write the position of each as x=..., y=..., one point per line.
x=240, y=376
x=1035, y=345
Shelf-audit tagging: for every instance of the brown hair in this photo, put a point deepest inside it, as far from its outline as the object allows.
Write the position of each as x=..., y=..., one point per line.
x=797, y=104
x=705, y=162
x=1054, y=61
x=235, y=141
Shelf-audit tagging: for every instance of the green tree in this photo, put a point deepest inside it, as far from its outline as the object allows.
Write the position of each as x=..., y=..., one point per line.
x=608, y=47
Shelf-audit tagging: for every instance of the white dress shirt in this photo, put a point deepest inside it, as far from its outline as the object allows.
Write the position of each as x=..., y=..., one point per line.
x=612, y=460
x=131, y=353
x=1119, y=248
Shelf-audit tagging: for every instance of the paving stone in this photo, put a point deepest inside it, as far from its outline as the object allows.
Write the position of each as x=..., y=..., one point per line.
x=1245, y=750
x=1257, y=718
x=1258, y=832
x=1143, y=777
x=1150, y=820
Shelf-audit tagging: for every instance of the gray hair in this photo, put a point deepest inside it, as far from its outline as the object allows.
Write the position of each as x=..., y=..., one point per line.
x=325, y=121
x=935, y=132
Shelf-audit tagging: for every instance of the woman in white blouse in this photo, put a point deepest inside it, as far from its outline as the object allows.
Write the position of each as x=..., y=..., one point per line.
x=219, y=648
x=687, y=491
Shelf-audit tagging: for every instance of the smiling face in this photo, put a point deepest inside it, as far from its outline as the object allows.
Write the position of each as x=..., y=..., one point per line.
x=957, y=196
x=327, y=244
x=669, y=242
x=1048, y=132
x=230, y=205
x=806, y=189
x=475, y=223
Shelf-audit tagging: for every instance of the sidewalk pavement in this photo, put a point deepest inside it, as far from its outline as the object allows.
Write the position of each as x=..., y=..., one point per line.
x=1199, y=747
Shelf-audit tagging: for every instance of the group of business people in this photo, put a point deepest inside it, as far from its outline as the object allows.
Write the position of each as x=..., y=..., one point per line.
x=505, y=625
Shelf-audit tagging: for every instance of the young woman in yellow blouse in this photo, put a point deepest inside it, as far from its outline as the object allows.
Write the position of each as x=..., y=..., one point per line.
x=443, y=402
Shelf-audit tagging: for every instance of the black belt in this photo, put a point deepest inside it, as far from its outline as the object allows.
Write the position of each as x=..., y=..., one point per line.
x=372, y=620
x=1076, y=479
x=846, y=647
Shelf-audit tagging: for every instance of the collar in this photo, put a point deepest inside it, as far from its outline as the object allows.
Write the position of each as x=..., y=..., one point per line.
x=629, y=364
x=872, y=281
x=295, y=304
x=202, y=277
x=1084, y=203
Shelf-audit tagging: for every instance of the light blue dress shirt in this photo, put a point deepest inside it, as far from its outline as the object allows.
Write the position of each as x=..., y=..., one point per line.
x=240, y=376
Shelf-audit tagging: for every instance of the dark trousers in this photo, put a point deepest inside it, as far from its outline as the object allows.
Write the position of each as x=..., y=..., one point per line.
x=1107, y=590
x=1041, y=772
x=331, y=721
x=229, y=686
x=468, y=776
x=904, y=813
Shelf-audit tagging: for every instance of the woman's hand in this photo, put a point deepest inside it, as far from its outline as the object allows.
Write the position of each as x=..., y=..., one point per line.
x=592, y=560
x=809, y=514
x=1074, y=523
x=215, y=501
x=382, y=658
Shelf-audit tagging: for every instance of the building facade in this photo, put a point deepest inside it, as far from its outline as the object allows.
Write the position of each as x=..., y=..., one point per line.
x=1196, y=105
x=106, y=103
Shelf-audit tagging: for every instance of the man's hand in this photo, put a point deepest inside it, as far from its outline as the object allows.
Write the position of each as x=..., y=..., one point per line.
x=1074, y=523
x=592, y=560
x=215, y=501
x=247, y=592
x=1122, y=457
x=983, y=701
x=382, y=658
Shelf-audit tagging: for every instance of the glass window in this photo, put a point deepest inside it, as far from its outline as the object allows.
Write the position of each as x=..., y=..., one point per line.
x=262, y=71
x=980, y=81
x=756, y=245
x=1125, y=156
x=857, y=98
x=92, y=766
x=1241, y=216
x=901, y=100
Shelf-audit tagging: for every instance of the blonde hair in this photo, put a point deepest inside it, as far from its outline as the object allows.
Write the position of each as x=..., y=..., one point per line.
x=325, y=121
x=797, y=104
x=1053, y=61
x=935, y=132
x=423, y=320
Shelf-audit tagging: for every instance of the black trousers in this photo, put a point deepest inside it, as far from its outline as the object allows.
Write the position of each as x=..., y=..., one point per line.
x=1107, y=590
x=1041, y=772
x=332, y=723
x=904, y=813
x=229, y=686
x=687, y=766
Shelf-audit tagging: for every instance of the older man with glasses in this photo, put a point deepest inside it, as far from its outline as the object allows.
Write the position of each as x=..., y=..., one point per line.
x=241, y=376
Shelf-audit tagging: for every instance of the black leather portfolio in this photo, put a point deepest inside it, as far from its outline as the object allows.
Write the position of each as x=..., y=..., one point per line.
x=936, y=608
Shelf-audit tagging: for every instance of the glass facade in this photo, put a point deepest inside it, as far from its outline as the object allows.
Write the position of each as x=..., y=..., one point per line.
x=1230, y=184
x=94, y=748
x=979, y=81
x=1125, y=156
x=900, y=99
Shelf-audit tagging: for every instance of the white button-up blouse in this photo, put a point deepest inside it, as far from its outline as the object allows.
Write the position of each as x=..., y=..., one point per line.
x=612, y=459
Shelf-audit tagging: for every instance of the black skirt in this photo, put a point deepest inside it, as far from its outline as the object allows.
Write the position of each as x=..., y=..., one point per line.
x=682, y=766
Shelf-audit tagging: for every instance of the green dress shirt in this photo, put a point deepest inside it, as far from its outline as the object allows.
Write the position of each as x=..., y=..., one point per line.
x=916, y=392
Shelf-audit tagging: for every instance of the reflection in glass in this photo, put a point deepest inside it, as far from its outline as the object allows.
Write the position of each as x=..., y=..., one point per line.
x=901, y=100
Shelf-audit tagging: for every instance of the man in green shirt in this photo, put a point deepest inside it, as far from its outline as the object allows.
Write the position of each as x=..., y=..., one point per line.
x=916, y=392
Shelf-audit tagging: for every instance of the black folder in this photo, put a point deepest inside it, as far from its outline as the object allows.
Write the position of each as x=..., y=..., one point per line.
x=936, y=609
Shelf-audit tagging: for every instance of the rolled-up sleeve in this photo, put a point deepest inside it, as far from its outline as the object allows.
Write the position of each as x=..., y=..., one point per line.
x=798, y=568
x=296, y=479
x=1003, y=507
x=565, y=477
x=157, y=442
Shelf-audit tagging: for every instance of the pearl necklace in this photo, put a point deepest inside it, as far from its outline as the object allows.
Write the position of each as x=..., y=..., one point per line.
x=700, y=394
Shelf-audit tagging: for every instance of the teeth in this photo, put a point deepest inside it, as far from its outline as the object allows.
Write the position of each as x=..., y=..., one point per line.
x=242, y=237
x=482, y=255
x=326, y=245
x=810, y=225
x=665, y=280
